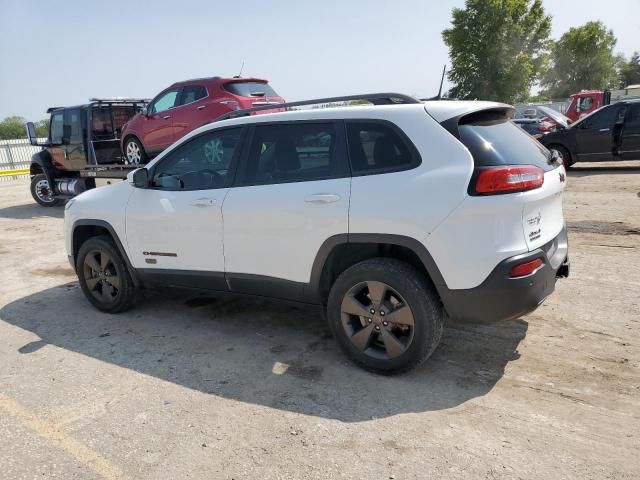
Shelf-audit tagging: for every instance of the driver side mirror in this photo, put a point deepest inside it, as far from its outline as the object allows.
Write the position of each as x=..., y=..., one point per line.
x=31, y=133
x=139, y=178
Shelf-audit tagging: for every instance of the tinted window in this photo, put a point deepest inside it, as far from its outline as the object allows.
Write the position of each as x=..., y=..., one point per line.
x=165, y=101
x=192, y=94
x=634, y=116
x=603, y=118
x=377, y=147
x=292, y=152
x=101, y=125
x=200, y=164
x=56, y=127
x=251, y=89
x=492, y=139
x=72, y=128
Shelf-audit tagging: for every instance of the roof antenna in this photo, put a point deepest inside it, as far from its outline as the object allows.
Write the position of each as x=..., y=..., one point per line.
x=439, y=96
x=241, y=68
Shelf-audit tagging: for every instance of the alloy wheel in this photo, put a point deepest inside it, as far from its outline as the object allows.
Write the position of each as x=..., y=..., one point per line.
x=43, y=191
x=101, y=276
x=377, y=320
x=133, y=153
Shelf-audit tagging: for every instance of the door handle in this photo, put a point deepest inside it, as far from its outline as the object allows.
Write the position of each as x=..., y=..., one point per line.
x=604, y=129
x=203, y=202
x=321, y=198
x=201, y=107
x=167, y=117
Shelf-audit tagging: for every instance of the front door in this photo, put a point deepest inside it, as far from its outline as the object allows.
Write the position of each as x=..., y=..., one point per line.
x=595, y=135
x=193, y=111
x=174, y=227
x=157, y=125
x=292, y=194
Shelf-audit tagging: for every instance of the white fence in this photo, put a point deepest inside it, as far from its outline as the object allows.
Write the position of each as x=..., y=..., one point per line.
x=16, y=155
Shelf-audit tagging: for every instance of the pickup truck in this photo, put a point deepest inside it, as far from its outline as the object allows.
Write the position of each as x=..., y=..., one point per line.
x=609, y=133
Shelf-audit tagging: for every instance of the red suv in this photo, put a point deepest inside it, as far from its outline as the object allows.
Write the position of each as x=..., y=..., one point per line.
x=185, y=106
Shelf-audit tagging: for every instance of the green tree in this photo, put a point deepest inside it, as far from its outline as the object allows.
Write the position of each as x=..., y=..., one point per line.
x=42, y=128
x=582, y=59
x=12, y=127
x=497, y=48
x=630, y=71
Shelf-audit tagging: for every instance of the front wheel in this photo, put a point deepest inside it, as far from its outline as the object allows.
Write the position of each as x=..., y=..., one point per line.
x=42, y=192
x=134, y=152
x=104, y=277
x=385, y=315
x=563, y=154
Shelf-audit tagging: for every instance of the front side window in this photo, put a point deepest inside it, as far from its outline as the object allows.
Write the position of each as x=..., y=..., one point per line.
x=56, y=128
x=293, y=152
x=202, y=163
x=192, y=94
x=377, y=147
x=165, y=101
x=603, y=118
x=585, y=103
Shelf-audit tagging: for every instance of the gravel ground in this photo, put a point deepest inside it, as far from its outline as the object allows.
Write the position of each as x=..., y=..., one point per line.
x=193, y=386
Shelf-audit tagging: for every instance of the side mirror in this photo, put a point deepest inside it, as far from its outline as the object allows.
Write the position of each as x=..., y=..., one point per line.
x=139, y=178
x=31, y=133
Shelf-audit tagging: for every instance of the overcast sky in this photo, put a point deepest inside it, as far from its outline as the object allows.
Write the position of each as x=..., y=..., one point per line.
x=63, y=52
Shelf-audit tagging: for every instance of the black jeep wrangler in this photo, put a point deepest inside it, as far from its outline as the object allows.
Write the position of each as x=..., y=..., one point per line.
x=82, y=150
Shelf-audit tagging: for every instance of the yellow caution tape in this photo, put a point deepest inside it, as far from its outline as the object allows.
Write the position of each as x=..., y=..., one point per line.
x=17, y=171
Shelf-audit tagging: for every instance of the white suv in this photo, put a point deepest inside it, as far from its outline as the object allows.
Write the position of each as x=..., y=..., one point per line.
x=391, y=216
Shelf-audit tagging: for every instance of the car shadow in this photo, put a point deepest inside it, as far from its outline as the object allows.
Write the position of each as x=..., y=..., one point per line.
x=31, y=211
x=261, y=352
x=603, y=169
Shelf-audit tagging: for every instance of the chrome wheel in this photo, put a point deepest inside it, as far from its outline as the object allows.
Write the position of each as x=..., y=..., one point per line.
x=377, y=320
x=43, y=192
x=214, y=151
x=133, y=153
x=101, y=276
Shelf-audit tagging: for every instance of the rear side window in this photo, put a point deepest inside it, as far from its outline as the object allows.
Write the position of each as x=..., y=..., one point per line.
x=634, y=116
x=250, y=89
x=495, y=140
x=72, y=125
x=376, y=147
x=282, y=153
x=192, y=94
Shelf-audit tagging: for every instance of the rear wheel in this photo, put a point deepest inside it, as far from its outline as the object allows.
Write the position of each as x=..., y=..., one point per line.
x=42, y=192
x=104, y=277
x=134, y=152
x=563, y=154
x=385, y=315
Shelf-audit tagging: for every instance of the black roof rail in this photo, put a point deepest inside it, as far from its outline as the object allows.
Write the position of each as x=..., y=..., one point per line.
x=119, y=100
x=374, y=98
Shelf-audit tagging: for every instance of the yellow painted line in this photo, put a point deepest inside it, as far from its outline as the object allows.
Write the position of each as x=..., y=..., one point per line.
x=54, y=433
x=18, y=171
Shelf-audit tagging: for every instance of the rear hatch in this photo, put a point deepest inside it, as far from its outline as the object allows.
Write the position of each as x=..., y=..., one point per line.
x=251, y=93
x=513, y=164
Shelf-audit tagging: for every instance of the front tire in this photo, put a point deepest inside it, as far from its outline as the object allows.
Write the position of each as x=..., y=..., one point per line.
x=134, y=153
x=385, y=315
x=104, y=277
x=42, y=192
x=563, y=153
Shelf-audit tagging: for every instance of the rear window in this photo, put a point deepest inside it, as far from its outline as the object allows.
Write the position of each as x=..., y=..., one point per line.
x=494, y=140
x=251, y=89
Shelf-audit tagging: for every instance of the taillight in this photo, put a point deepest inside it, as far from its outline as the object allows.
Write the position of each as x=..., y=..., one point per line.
x=526, y=268
x=509, y=179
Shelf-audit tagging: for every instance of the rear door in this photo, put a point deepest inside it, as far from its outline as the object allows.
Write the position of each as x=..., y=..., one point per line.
x=595, y=135
x=292, y=194
x=630, y=144
x=157, y=126
x=191, y=111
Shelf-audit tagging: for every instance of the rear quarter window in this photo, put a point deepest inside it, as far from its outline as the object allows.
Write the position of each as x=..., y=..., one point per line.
x=493, y=140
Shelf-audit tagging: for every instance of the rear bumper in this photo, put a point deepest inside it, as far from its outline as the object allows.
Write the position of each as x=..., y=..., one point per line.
x=501, y=297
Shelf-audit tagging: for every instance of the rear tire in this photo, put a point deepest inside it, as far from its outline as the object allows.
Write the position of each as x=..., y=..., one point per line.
x=42, y=192
x=134, y=153
x=385, y=315
x=104, y=277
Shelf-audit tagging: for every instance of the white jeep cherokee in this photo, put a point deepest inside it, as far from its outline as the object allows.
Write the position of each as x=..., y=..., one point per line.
x=391, y=216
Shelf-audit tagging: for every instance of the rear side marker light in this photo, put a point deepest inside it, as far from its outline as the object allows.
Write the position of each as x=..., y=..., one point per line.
x=509, y=179
x=527, y=268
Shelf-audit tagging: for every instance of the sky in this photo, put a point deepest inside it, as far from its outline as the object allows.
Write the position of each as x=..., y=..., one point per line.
x=56, y=53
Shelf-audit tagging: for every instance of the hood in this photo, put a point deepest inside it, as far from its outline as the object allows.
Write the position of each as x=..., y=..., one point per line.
x=556, y=116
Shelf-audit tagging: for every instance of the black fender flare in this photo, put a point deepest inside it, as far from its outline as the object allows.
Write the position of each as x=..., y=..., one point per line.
x=44, y=161
x=116, y=239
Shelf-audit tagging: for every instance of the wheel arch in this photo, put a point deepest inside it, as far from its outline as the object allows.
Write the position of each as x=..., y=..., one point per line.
x=342, y=251
x=85, y=229
x=572, y=157
x=41, y=163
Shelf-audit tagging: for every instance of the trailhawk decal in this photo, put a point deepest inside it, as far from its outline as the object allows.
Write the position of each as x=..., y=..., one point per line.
x=535, y=223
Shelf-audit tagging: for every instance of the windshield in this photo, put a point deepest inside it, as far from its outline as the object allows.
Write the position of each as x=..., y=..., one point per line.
x=251, y=89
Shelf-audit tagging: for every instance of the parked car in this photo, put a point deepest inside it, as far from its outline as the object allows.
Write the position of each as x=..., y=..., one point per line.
x=389, y=217
x=610, y=133
x=539, y=120
x=187, y=105
x=82, y=148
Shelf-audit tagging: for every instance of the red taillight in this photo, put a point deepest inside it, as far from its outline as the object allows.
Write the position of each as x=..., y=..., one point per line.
x=527, y=268
x=509, y=179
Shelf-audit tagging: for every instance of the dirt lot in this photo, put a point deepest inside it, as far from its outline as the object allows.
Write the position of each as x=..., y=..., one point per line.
x=190, y=386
